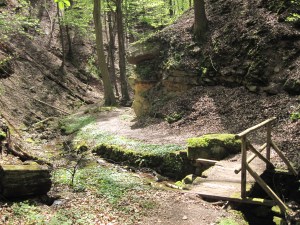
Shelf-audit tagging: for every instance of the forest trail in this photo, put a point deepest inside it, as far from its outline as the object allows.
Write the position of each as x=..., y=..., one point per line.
x=122, y=121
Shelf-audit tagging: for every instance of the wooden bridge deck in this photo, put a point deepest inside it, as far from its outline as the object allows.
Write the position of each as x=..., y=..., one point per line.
x=222, y=183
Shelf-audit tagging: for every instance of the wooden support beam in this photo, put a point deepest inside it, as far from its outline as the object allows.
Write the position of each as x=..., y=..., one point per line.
x=243, y=166
x=268, y=163
x=284, y=159
x=255, y=201
x=255, y=127
x=250, y=159
x=269, y=135
x=267, y=189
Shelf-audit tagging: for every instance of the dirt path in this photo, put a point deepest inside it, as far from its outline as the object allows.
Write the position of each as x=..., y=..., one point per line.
x=122, y=121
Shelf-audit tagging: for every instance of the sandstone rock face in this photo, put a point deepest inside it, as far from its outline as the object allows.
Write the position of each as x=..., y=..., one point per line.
x=140, y=104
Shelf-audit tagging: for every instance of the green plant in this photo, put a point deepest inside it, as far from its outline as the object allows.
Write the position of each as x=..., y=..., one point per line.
x=173, y=117
x=295, y=116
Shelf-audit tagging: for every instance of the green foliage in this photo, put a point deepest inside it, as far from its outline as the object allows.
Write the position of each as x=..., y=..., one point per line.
x=74, y=123
x=173, y=117
x=154, y=14
x=11, y=24
x=295, y=116
x=293, y=17
x=62, y=4
x=91, y=67
x=80, y=17
x=28, y=212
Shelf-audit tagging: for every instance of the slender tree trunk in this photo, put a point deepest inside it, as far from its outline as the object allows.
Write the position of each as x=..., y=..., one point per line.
x=190, y=3
x=200, y=24
x=62, y=67
x=122, y=62
x=109, y=96
x=111, y=51
x=70, y=50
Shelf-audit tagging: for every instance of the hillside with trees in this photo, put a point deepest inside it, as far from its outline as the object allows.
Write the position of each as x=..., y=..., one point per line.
x=102, y=101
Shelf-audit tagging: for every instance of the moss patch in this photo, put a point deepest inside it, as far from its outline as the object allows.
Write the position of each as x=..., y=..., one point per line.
x=213, y=146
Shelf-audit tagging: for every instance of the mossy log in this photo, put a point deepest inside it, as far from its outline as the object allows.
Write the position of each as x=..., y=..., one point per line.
x=24, y=180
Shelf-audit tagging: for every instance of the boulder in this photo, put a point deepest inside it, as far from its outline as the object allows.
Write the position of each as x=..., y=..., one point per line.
x=141, y=51
x=213, y=146
x=24, y=180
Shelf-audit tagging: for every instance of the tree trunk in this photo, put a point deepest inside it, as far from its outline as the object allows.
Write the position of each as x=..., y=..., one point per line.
x=109, y=96
x=62, y=67
x=70, y=49
x=200, y=23
x=111, y=51
x=122, y=62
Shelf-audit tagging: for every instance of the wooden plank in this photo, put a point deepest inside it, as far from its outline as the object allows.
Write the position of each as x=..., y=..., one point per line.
x=250, y=159
x=240, y=135
x=244, y=162
x=267, y=189
x=206, y=161
x=284, y=159
x=255, y=201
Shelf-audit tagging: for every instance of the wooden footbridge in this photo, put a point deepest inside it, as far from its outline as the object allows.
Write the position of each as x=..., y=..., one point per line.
x=232, y=179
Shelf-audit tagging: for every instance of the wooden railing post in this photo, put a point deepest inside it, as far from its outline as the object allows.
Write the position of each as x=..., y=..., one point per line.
x=244, y=168
x=268, y=148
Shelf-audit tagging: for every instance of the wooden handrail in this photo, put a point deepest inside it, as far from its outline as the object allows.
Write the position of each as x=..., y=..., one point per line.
x=245, y=132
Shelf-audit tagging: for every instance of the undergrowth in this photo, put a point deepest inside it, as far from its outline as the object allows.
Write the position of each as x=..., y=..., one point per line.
x=74, y=123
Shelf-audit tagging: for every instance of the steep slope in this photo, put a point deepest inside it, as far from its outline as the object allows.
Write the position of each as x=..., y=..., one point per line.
x=250, y=49
x=32, y=86
x=245, y=45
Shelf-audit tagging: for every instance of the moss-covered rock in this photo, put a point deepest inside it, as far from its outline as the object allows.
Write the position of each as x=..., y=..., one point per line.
x=24, y=180
x=213, y=146
x=173, y=164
